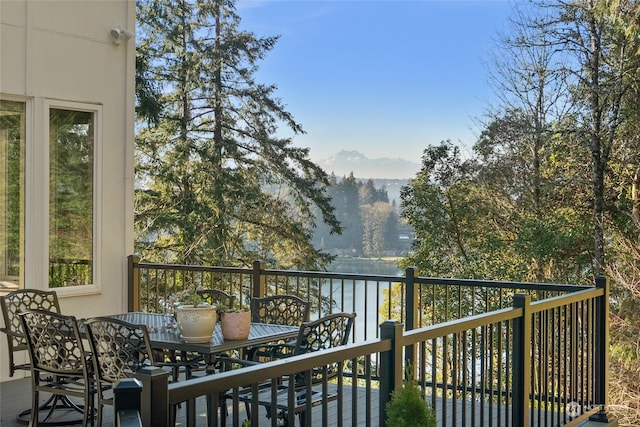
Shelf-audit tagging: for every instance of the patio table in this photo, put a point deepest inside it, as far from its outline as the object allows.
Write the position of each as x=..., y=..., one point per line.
x=164, y=334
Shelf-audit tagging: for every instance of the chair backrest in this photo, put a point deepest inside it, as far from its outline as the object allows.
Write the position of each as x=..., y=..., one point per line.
x=18, y=301
x=118, y=348
x=217, y=296
x=54, y=343
x=280, y=309
x=327, y=332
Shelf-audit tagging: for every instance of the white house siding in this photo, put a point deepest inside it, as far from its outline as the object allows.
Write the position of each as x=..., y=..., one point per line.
x=55, y=51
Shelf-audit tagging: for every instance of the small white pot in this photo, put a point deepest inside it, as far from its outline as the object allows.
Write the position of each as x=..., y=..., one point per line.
x=196, y=323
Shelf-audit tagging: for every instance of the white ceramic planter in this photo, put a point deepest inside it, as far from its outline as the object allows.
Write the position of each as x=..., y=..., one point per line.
x=235, y=326
x=196, y=323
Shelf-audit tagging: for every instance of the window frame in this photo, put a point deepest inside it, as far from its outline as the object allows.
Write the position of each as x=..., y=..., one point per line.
x=96, y=111
x=28, y=114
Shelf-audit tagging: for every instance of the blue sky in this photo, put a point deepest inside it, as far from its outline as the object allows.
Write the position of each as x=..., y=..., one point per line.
x=386, y=78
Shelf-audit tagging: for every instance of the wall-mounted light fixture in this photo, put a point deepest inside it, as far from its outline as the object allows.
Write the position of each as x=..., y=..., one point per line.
x=118, y=34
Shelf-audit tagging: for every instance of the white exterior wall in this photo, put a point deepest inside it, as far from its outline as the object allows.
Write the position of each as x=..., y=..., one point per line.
x=56, y=52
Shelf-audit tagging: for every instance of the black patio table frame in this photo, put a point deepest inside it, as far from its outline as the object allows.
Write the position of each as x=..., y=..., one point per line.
x=164, y=334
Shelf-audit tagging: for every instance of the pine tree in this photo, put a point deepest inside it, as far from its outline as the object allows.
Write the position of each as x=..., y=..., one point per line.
x=215, y=185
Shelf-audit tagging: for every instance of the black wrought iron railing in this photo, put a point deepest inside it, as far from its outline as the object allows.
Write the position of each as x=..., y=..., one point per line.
x=375, y=298
x=484, y=352
x=70, y=272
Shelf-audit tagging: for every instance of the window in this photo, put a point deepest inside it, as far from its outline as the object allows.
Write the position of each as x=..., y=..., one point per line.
x=59, y=175
x=71, y=197
x=12, y=191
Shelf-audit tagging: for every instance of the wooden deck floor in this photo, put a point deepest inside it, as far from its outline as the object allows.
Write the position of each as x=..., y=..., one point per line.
x=15, y=397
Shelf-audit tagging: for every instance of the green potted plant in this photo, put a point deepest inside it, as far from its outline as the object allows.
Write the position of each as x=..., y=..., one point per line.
x=235, y=321
x=407, y=408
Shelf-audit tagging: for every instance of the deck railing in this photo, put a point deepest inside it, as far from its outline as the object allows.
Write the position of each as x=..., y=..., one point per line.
x=69, y=272
x=485, y=352
x=429, y=300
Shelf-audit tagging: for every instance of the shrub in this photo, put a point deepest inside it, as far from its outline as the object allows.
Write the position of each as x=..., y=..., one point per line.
x=408, y=409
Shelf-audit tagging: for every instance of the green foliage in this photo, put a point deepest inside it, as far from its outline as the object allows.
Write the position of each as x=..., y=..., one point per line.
x=345, y=198
x=473, y=221
x=235, y=308
x=370, y=223
x=12, y=161
x=215, y=184
x=407, y=408
x=71, y=194
x=553, y=183
x=380, y=227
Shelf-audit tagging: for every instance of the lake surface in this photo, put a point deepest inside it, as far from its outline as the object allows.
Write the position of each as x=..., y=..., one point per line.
x=365, y=266
x=363, y=298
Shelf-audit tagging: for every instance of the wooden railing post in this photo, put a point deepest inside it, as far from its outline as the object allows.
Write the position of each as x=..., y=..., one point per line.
x=259, y=281
x=126, y=403
x=411, y=298
x=154, y=402
x=411, y=314
x=521, y=369
x=133, y=283
x=390, y=365
x=601, y=362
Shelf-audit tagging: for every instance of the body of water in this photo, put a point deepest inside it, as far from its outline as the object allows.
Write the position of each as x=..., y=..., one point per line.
x=363, y=298
x=366, y=266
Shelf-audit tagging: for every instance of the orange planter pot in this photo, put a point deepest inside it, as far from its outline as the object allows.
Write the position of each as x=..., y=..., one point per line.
x=235, y=326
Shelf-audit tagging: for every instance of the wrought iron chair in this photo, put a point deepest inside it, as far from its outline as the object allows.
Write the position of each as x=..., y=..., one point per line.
x=277, y=309
x=118, y=350
x=280, y=309
x=304, y=387
x=217, y=296
x=60, y=365
x=11, y=304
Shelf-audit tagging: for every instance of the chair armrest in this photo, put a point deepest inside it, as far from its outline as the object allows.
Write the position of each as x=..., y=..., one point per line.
x=272, y=351
x=10, y=332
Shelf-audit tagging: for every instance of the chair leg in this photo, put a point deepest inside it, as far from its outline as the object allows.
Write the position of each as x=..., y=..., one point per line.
x=33, y=420
x=87, y=413
x=223, y=413
x=47, y=409
x=100, y=407
x=247, y=409
x=51, y=409
x=285, y=418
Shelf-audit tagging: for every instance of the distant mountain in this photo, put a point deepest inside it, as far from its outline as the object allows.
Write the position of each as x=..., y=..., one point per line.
x=345, y=162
